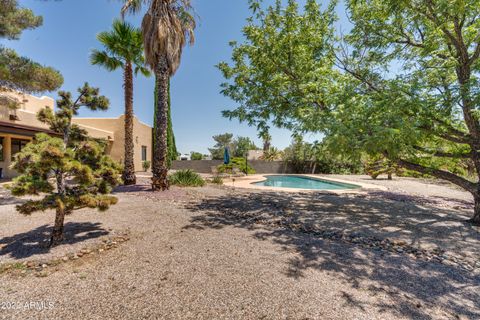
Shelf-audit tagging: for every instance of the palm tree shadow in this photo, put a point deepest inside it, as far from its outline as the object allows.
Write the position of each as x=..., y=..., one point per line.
x=36, y=241
x=292, y=220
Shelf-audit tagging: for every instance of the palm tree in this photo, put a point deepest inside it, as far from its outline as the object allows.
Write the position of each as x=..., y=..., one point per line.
x=167, y=27
x=267, y=140
x=123, y=49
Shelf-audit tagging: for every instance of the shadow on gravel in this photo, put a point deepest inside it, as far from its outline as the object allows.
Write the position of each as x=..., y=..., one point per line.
x=292, y=220
x=36, y=241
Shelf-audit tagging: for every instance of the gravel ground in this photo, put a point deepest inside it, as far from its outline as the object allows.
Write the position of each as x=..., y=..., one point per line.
x=207, y=254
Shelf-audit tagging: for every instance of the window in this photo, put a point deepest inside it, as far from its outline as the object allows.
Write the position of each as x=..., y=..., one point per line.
x=144, y=153
x=18, y=145
x=1, y=149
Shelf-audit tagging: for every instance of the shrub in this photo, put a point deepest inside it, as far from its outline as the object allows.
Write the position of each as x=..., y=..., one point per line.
x=186, y=178
x=196, y=156
x=217, y=180
x=238, y=163
x=146, y=165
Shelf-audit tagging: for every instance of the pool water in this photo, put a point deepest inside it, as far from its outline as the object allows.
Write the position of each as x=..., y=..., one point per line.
x=301, y=182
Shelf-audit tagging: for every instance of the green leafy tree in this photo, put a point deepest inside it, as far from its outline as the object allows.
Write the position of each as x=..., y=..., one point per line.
x=242, y=145
x=70, y=171
x=16, y=72
x=221, y=142
x=415, y=66
x=281, y=72
x=376, y=166
x=167, y=27
x=402, y=84
x=123, y=50
x=196, y=155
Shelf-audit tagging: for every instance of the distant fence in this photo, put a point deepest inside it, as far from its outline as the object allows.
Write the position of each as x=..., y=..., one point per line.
x=205, y=166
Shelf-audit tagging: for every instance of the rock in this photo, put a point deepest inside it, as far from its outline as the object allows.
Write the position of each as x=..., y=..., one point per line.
x=65, y=259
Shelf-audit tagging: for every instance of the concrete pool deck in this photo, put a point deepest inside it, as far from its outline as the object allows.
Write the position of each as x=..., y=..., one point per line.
x=248, y=182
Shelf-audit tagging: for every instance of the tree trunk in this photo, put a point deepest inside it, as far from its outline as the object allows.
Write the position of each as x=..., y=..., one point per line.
x=57, y=233
x=128, y=175
x=476, y=212
x=160, y=148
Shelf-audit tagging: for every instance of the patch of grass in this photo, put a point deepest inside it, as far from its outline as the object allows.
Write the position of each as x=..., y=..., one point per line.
x=217, y=180
x=186, y=178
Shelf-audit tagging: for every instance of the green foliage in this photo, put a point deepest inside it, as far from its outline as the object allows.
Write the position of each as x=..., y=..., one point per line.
x=236, y=164
x=20, y=73
x=316, y=157
x=70, y=173
x=282, y=70
x=14, y=19
x=196, y=156
x=146, y=165
x=376, y=166
x=238, y=146
x=186, y=178
x=401, y=84
x=16, y=72
x=221, y=141
x=217, y=180
x=242, y=145
x=123, y=44
x=272, y=154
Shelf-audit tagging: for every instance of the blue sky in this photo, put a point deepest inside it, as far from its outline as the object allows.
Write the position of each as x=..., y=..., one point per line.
x=68, y=35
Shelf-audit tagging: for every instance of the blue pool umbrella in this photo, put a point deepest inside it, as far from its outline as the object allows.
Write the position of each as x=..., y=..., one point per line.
x=226, y=156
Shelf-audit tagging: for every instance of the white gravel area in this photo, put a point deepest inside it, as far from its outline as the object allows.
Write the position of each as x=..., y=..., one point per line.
x=201, y=254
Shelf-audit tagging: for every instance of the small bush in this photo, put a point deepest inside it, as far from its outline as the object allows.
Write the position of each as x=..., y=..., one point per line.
x=146, y=165
x=186, y=178
x=238, y=163
x=217, y=180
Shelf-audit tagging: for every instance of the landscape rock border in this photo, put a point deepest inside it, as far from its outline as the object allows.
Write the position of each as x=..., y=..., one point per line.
x=43, y=268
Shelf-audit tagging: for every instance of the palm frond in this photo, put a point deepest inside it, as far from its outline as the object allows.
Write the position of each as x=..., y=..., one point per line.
x=103, y=59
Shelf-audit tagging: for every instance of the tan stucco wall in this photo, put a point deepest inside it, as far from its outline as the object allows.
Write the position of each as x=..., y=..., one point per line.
x=27, y=109
x=110, y=129
x=142, y=136
x=7, y=172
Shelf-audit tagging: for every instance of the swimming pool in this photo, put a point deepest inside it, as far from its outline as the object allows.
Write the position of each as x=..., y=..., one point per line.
x=302, y=182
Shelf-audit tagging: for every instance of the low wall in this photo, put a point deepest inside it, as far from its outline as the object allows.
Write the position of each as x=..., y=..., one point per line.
x=205, y=166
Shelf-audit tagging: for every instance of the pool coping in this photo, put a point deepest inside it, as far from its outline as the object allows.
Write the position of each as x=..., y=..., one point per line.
x=248, y=182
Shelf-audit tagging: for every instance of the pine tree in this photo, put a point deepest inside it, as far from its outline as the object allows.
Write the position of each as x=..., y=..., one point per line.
x=16, y=72
x=70, y=170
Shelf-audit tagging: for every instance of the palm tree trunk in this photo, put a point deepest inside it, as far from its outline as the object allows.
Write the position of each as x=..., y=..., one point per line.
x=129, y=165
x=160, y=148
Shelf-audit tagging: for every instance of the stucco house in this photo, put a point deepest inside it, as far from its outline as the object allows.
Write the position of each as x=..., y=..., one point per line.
x=19, y=126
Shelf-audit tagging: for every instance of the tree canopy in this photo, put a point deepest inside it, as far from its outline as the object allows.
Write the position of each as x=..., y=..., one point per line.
x=401, y=84
x=70, y=172
x=17, y=72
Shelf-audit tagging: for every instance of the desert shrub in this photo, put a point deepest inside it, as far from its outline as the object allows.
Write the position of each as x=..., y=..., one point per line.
x=217, y=180
x=186, y=178
x=146, y=165
x=236, y=163
x=196, y=156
